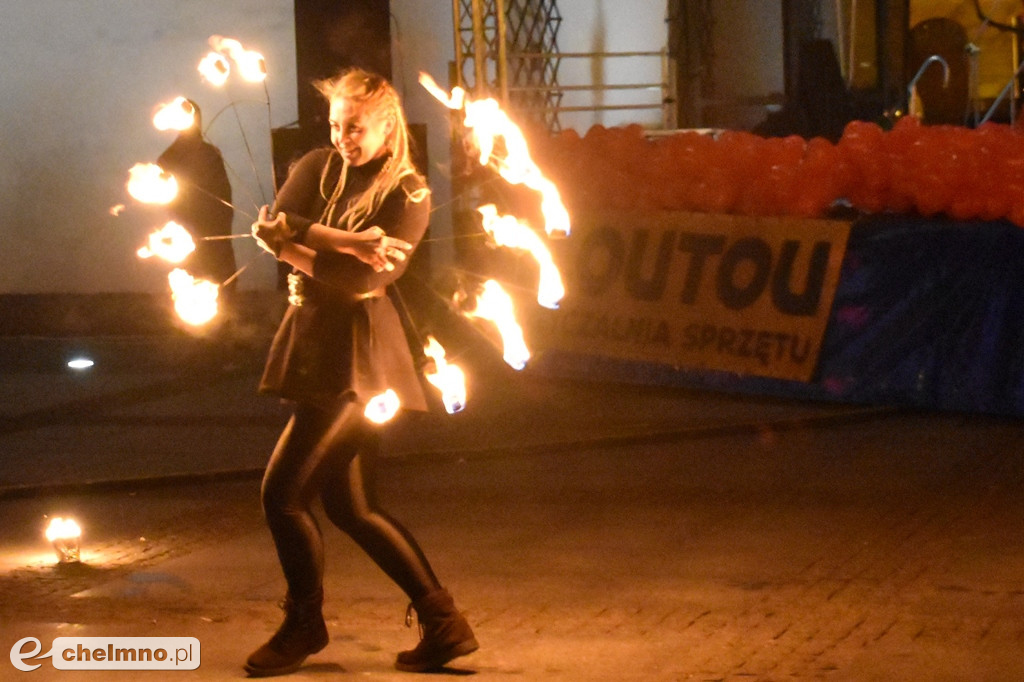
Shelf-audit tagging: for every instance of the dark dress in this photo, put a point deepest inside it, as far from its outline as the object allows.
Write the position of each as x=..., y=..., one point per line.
x=345, y=340
x=200, y=205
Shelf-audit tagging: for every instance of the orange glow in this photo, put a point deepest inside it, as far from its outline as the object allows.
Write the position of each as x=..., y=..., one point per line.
x=62, y=529
x=251, y=65
x=151, y=184
x=449, y=379
x=172, y=242
x=195, y=300
x=487, y=122
x=454, y=101
x=65, y=536
x=495, y=305
x=215, y=69
x=508, y=231
x=178, y=114
x=382, y=408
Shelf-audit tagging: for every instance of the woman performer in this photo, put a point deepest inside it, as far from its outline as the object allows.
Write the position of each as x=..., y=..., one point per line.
x=345, y=220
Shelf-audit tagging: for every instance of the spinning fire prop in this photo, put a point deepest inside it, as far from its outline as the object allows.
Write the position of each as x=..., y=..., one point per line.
x=450, y=380
x=500, y=145
x=195, y=300
x=178, y=114
x=151, y=184
x=172, y=242
x=251, y=65
x=509, y=231
x=494, y=304
x=382, y=408
x=487, y=122
x=215, y=69
x=488, y=125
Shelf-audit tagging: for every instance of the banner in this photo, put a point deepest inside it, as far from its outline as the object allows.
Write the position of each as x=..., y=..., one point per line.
x=697, y=291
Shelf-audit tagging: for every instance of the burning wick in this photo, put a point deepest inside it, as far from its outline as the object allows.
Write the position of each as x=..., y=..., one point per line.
x=488, y=121
x=65, y=536
x=172, y=242
x=447, y=378
x=195, y=300
x=215, y=69
x=251, y=65
x=508, y=231
x=382, y=408
x=494, y=304
x=151, y=184
x=178, y=114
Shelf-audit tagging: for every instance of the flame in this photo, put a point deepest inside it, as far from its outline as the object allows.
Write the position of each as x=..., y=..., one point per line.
x=251, y=65
x=151, y=184
x=454, y=101
x=215, y=69
x=62, y=529
x=508, y=231
x=172, y=242
x=447, y=378
x=195, y=300
x=224, y=45
x=116, y=210
x=494, y=304
x=487, y=121
x=178, y=114
x=382, y=408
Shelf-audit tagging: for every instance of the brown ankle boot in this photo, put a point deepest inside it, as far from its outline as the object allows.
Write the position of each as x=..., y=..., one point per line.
x=302, y=633
x=444, y=634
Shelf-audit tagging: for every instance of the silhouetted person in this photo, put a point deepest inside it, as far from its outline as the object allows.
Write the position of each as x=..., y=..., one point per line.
x=203, y=206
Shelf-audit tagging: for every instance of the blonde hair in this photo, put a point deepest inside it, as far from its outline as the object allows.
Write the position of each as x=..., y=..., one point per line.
x=379, y=98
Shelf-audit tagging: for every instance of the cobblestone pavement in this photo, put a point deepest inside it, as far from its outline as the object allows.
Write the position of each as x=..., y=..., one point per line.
x=756, y=540
x=884, y=550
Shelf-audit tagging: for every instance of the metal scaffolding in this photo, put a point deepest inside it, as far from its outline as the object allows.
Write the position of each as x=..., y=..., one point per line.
x=512, y=46
x=508, y=49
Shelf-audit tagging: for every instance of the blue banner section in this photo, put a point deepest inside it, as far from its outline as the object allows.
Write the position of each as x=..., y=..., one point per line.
x=927, y=313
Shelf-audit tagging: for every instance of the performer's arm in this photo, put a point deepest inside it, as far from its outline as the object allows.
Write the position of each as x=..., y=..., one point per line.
x=400, y=217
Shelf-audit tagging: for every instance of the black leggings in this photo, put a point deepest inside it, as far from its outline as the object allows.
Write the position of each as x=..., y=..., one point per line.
x=319, y=453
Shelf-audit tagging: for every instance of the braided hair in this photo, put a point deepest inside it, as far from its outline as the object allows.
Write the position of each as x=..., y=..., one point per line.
x=377, y=96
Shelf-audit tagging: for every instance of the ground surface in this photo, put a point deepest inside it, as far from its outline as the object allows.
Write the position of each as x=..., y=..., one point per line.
x=590, y=532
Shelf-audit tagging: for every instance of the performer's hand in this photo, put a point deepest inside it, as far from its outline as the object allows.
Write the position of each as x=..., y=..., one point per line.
x=378, y=250
x=271, y=235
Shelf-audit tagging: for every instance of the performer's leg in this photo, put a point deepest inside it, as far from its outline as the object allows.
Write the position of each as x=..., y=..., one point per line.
x=350, y=503
x=287, y=494
x=288, y=486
